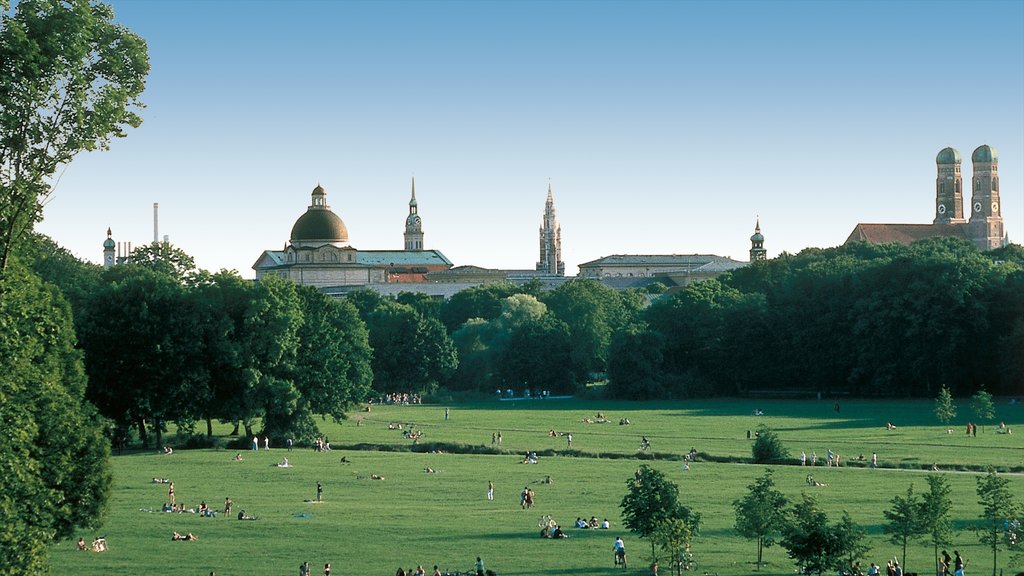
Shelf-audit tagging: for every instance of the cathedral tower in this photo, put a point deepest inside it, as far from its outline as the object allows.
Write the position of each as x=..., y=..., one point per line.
x=550, y=241
x=986, y=225
x=757, y=251
x=949, y=195
x=413, y=223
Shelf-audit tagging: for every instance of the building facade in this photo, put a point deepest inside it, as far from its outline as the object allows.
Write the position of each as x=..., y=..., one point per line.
x=318, y=252
x=984, y=228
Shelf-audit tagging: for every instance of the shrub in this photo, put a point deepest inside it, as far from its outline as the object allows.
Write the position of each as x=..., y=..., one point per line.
x=768, y=447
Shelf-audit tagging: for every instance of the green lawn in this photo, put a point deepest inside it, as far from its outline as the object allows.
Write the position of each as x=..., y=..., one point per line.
x=412, y=517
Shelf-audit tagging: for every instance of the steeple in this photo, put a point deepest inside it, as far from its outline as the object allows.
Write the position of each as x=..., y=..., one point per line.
x=413, y=223
x=550, y=240
x=986, y=223
x=757, y=251
x=108, y=250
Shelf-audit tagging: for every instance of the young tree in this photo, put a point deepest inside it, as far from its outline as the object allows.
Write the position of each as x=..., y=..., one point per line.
x=816, y=545
x=998, y=506
x=71, y=81
x=761, y=513
x=650, y=501
x=935, y=507
x=945, y=409
x=904, y=520
x=674, y=537
x=982, y=406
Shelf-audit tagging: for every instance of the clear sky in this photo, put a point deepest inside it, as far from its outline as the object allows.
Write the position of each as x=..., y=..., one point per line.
x=664, y=127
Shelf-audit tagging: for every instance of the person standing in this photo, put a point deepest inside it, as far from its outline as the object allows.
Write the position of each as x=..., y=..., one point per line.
x=479, y=567
x=446, y=414
x=874, y=459
x=568, y=437
x=266, y=442
x=170, y=492
x=255, y=443
x=494, y=438
x=499, y=438
x=959, y=564
x=289, y=443
x=490, y=490
x=944, y=564
x=319, y=491
x=327, y=569
x=814, y=458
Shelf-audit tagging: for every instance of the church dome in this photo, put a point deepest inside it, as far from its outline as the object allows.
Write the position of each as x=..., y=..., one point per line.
x=319, y=225
x=757, y=237
x=948, y=156
x=985, y=153
x=109, y=244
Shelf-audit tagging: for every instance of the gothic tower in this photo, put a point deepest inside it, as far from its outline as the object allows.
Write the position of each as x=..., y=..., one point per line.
x=108, y=251
x=757, y=251
x=550, y=241
x=949, y=195
x=413, y=224
x=986, y=225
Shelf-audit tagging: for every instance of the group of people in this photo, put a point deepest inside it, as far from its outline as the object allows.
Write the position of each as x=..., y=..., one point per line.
x=305, y=570
x=526, y=498
x=187, y=537
x=398, y=398
x=99, y=544
x=592, y=523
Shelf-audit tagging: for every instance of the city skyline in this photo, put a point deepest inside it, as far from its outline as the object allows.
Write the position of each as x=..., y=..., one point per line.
x=663, y=127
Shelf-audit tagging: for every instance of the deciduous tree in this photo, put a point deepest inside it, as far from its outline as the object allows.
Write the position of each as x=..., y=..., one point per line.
x=905, y=521
x=70, y=80
x=761, y=513
x=998, y=505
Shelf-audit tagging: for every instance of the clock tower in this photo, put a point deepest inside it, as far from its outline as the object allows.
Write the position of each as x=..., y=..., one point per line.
x=986, y=225
x=108, y=251
x=949, y=195
x=413, y=223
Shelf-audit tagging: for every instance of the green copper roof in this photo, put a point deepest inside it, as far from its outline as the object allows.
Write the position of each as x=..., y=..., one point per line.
x=985, y=153
x=948, y=156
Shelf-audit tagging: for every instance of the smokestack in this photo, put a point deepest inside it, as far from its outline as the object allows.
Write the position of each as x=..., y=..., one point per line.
x=156, y=222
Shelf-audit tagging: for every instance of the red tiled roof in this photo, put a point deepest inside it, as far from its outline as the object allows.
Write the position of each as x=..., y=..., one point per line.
x=904, y=233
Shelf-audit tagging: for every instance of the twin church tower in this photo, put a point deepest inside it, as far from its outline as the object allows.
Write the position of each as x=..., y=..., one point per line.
x=985, y=227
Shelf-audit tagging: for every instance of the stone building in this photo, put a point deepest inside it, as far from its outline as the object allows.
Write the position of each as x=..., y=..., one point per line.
x=318, y=252
x=984, y=229
x=550, y=261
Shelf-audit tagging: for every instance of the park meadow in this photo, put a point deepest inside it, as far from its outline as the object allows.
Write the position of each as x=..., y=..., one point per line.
x=430, y=505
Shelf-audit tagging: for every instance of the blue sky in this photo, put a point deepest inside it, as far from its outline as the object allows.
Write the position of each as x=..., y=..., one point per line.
x=664, y=127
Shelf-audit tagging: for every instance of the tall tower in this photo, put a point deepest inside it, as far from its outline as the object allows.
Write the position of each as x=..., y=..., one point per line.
x=108, y=251
x=413, y=224
x=949, y=194
x=986, y=225
x=757, y=251
x=550, y=241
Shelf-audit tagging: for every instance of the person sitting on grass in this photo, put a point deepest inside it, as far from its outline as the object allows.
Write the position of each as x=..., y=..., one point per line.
x=557, y=533
x=238, y=457
x=243, y=516
x=81, y=544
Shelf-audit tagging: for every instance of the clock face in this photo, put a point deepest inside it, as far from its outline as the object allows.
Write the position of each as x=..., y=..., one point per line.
x=110, y=258
x=977, y=206
x=995, y=207
x=942, y=208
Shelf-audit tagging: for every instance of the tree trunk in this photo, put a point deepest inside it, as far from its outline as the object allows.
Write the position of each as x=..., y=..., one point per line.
x=760, y=547
x=234, y=432
x=248, y=429
x=209, y=427
x=159, y=435
x=143, y=437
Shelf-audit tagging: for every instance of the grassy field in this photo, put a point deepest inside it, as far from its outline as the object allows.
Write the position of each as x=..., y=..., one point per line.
x=413, y=517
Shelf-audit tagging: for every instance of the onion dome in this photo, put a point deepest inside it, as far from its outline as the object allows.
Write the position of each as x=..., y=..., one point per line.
x=985, y=153
x=948, y=156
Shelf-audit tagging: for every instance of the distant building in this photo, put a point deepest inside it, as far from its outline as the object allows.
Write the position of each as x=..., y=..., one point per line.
x=318, y=252
x=757, y=251
x=550, y=261
x=985, y=227
x=670, y=269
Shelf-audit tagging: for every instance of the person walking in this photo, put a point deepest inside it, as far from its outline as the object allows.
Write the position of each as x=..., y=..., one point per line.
x=619, y=550
x=568, y=437
x=255, y=444
x=959, y=564
x=319, y=491
x=479, y=567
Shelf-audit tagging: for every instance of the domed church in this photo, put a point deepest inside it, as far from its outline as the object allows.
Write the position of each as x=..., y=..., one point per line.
x=318, y=252
x=984, y=229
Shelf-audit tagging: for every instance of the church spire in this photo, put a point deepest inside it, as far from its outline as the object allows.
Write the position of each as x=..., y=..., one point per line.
x=757, y=251
x=413, y=223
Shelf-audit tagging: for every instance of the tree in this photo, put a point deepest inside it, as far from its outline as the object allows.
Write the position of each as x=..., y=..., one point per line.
x=55, y=459
x=998, y=506
x=761, y=513
x=674, y=536
x=905, y=521
x=164, y=258
x=982, y=406
x=816, y=545
x=538, y=356
x=945, y=409
x=935, y=507
x=768, y=447
x=634, y=365
x=410, y=352
x=650, y=501
x=70, y=79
